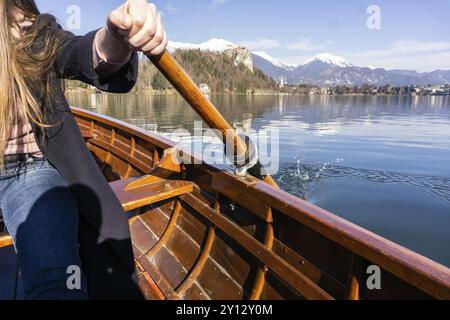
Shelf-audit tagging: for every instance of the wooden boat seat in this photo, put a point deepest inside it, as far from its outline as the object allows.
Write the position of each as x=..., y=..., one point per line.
x=133, y=198
x=134, y=193
x=149, y=194
x=137, y=198
x=5, y=241
x=156, y=187
x=88, y=135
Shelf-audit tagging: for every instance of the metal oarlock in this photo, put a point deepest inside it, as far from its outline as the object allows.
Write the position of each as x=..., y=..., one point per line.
x=251, y=157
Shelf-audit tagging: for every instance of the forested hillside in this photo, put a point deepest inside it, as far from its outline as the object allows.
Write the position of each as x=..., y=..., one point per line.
x=219, y=71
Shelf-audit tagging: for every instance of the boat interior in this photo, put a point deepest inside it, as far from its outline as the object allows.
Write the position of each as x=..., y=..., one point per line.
x=200, y=233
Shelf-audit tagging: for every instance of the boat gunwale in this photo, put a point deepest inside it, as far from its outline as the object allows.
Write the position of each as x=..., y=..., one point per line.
x=413, y=268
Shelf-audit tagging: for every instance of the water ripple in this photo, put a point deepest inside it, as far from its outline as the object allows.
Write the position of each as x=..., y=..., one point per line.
x=293, y=178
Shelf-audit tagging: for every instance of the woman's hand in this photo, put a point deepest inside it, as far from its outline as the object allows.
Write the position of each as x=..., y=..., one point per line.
x=135, y=25
x=139, y=24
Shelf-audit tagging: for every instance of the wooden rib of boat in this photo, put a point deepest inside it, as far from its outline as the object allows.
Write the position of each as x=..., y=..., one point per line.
x=201, y=233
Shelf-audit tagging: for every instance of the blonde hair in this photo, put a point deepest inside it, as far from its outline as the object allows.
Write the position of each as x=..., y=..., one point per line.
x=26, y=65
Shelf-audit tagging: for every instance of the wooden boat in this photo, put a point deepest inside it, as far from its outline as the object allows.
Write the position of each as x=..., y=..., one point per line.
x=201, y=233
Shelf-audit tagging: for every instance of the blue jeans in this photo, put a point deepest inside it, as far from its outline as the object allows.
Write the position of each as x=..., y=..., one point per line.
x=41, y=215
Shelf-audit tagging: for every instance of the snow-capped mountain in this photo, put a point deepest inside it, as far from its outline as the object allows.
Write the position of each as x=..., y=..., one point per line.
x=324, y=69
x=213, y=45
x=329, y=70
x=329, y=59
x=273, y=60
x=271, y=66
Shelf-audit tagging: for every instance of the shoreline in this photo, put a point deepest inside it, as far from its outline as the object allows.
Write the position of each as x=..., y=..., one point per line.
x=169, y=92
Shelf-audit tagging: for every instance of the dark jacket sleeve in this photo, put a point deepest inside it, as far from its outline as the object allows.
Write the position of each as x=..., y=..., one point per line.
x=75, y=61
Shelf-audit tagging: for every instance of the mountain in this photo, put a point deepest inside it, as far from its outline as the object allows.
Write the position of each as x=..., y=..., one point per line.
x=329, y=59
x=270, y=66
x=273, y=60
x=324, y=69
x=328, y=70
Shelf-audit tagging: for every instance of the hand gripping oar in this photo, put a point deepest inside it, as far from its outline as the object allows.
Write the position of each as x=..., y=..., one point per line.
x=181, y=81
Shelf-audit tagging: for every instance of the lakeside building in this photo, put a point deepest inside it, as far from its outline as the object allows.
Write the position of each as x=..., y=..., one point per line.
x=205, y=89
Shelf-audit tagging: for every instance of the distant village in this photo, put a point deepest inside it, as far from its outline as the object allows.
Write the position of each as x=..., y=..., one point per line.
x=429, y=90
x=304, y=89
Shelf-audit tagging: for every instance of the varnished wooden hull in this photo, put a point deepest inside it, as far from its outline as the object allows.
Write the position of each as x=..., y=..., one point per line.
x=238, y=238
x=206, y=234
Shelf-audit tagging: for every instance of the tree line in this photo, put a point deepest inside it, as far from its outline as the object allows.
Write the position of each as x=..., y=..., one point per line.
x=218, y=70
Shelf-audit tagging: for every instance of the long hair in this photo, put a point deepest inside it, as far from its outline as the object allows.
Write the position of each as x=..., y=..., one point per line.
x=26, y=61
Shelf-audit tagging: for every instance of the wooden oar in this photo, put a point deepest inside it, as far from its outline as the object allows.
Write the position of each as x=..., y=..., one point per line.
x=181, y=81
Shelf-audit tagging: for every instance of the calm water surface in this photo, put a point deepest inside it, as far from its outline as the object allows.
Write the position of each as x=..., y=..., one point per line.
x=380, y=162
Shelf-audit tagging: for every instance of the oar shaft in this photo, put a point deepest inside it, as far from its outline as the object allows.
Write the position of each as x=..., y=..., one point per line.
x=187, y=88
x=183, y=83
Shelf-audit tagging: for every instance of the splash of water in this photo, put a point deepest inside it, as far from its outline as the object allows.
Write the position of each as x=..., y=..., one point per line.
x=295, y=177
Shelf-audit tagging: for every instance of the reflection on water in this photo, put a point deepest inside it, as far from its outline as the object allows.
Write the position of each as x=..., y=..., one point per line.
x=381, y=162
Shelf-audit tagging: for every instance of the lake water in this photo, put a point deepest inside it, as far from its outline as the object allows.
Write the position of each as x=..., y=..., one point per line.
x=380, y=162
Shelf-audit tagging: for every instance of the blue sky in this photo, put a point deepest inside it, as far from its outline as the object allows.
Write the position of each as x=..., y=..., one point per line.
x=413, y=34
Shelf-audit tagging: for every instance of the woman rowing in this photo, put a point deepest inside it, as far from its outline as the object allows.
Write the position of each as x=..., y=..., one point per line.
x=57, y=206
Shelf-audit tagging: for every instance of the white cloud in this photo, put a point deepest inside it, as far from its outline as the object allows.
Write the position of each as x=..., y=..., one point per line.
x=406, y=54
x=260, y=44
x=406, y=47
x=417, y=55
x=421, y=62
x=305, y=44
x=302, y=44
x=216, y=3
x=171, y=8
